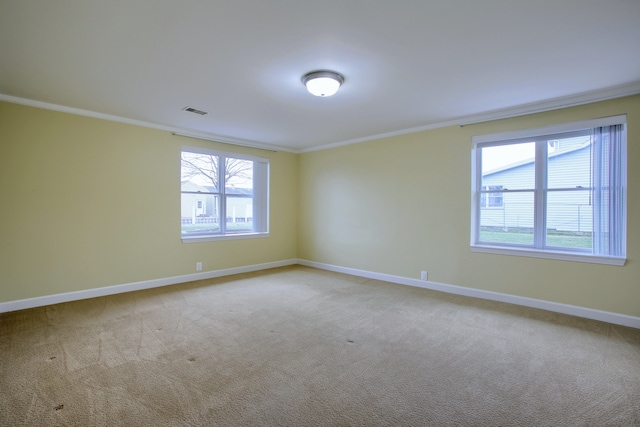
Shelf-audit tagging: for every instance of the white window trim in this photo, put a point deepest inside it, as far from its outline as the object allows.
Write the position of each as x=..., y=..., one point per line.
x=258, y=197
x=509, y=137
x=213, y=238
x=548, y=254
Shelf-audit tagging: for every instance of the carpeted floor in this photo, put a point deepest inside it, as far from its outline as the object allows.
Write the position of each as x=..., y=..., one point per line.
x=297, y=346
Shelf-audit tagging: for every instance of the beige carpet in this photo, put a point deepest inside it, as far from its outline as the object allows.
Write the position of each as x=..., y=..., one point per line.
x=302, y=347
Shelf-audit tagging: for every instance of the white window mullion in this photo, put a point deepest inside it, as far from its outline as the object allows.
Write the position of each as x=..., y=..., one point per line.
x=540, y=196
x=222, y=165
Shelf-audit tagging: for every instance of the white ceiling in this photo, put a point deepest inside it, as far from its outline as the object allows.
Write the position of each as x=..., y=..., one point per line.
x=408, y=64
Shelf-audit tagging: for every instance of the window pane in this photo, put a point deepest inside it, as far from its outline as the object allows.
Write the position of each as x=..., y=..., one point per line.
x=199, y=172
x=569, y=219
x=569, y=163
x=200, y=214
x=239, y=176
x=489, y=199
x=239, y=214
x=510, y=224
x=509, y=166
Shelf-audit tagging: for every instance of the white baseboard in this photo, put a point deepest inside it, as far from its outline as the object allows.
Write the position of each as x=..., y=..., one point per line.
x=588, y=313
x=135, y=286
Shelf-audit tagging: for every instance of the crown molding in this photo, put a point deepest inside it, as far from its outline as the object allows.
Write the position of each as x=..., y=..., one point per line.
x=554, y=104
x=380, y=136
x=505, y=113
x=174, y=130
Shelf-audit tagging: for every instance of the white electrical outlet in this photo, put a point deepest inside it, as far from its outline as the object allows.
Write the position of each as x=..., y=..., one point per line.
x=198, y=266
x=423, y=275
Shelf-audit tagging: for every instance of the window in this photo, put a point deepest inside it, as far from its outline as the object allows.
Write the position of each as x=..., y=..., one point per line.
x=488, y=193
x=223, y=195
x=555, y=192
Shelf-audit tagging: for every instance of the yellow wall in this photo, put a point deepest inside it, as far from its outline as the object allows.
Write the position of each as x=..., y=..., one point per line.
x=87, y=203
x=401, y=205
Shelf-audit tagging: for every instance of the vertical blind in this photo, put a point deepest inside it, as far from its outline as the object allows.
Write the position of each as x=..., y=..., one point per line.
x=609, y=178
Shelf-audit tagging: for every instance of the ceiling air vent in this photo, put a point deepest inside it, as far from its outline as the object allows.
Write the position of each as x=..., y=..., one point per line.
x=194, y=110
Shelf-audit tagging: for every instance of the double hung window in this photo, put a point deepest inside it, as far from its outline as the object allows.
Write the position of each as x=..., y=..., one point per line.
x=554, y=192
x=223, y=195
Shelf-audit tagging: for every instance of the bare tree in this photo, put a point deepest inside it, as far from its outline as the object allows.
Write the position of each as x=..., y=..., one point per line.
x=206, y=167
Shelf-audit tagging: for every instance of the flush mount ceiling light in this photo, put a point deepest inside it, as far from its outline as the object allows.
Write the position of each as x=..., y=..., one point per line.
x=323, y=82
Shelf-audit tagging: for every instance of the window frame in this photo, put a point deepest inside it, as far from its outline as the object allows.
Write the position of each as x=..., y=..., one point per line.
x=540, y=191
x=260, y=198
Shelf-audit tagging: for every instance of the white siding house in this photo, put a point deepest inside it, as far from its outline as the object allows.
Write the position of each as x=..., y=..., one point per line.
x=197, y=205
x=567, y=210
x=203, y=207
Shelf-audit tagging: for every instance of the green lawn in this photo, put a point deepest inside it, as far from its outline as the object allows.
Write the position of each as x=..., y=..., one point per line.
x=214, y=228
x=525, y=237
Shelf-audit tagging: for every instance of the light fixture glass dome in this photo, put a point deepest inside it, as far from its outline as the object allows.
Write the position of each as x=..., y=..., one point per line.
x=322, y=83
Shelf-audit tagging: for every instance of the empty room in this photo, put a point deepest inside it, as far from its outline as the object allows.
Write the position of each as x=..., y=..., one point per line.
x=338, y=213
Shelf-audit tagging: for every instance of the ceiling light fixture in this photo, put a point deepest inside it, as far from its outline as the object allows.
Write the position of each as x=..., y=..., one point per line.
x=322, y=82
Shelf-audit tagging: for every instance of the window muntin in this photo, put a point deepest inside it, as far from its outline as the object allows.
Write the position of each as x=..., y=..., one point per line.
x=222, y=194
x=562, y=192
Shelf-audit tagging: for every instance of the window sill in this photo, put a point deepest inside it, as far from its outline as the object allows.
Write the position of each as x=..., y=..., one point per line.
x=557, y=255
x=212, y=238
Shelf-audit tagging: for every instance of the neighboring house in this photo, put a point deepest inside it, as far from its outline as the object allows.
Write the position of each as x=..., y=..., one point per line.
x=204, y=207
x=195, y=205
x=568, y=210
